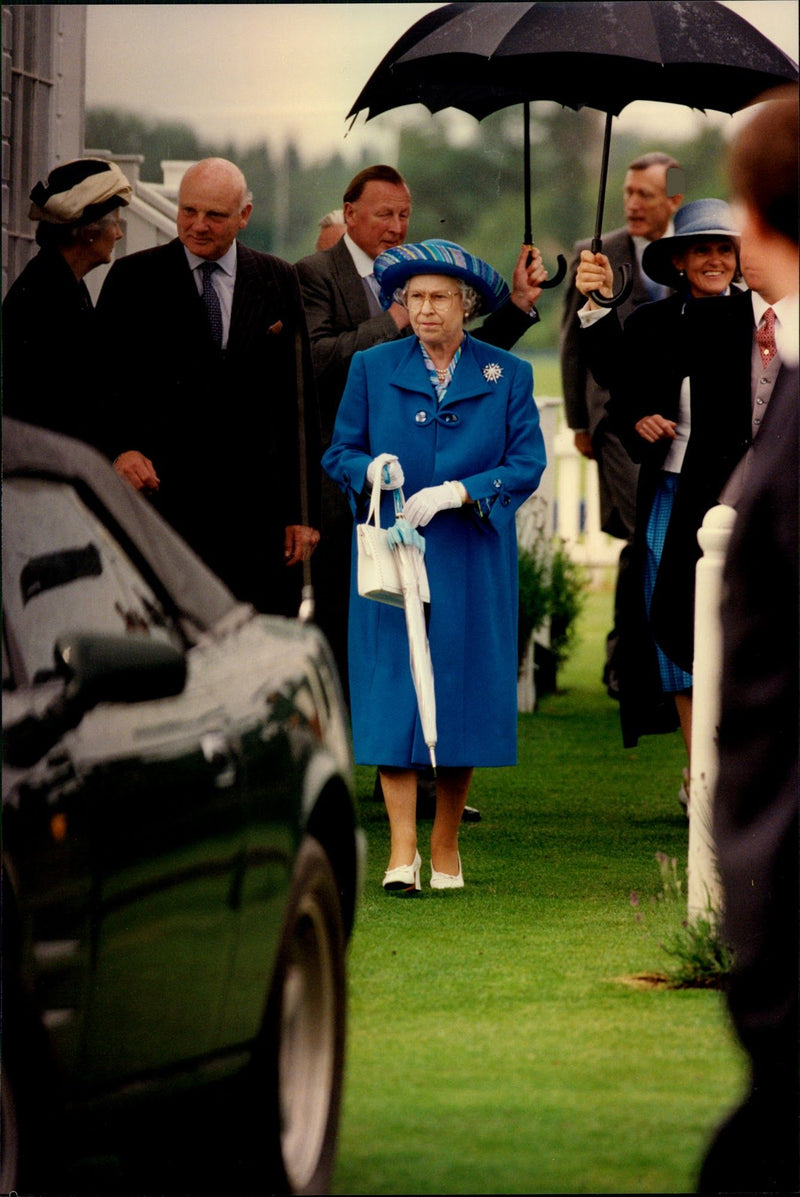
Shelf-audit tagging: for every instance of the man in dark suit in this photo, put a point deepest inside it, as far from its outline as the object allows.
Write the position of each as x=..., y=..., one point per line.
x=344, y=316
x=755, y=813
x=649, y=209
x=211, y=373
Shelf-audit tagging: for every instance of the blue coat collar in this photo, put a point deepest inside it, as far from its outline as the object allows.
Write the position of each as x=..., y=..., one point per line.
x=469, y=380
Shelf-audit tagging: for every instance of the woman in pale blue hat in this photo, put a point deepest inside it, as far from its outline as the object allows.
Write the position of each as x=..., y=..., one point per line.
x=459, y=420
x=669, y=418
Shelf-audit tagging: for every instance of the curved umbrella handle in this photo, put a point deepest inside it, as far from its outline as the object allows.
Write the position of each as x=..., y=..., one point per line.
x=561, y=270
x=626, y=286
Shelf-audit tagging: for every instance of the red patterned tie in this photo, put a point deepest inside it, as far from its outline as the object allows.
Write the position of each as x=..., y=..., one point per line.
x=765, y=337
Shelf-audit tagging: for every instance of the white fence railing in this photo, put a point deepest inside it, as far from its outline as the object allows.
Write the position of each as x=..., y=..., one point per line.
x=568, y=498
x=566, y=505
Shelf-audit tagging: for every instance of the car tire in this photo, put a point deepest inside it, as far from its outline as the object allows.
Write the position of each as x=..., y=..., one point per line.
x=300, y=1057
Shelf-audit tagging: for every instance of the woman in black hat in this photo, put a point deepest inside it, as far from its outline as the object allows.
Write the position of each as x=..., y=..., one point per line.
x=686, y=430
x=49, y=347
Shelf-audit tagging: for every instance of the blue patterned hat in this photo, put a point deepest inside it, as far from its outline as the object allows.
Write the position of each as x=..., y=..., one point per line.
x=701, y=218
x=396, y=266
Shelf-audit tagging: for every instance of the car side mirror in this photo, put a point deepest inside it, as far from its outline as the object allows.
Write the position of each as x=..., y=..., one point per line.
x=116, y=668
x=95, y=668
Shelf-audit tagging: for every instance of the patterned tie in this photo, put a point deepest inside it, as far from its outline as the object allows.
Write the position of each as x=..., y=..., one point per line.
x=211, y=300
x=765, y=338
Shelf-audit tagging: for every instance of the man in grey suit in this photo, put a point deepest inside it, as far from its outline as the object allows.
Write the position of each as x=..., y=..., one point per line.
x=649, y=208
x=344, y=316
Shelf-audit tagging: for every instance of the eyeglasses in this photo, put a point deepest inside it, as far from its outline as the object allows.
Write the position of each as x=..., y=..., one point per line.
x=440, y=301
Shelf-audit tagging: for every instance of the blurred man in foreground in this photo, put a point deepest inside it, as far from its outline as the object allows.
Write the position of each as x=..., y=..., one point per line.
x=756, y=800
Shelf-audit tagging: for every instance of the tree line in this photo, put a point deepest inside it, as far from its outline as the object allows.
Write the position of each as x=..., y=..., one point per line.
x=471, y=193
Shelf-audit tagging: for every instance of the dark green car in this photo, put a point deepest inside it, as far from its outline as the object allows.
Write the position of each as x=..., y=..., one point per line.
x=181, y=856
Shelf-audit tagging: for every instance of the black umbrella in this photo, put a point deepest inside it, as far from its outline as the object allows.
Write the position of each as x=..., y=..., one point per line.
x=601, y=54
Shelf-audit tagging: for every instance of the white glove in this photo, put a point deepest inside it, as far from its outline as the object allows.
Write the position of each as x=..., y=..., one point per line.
x=392, y=474
x=420, y=509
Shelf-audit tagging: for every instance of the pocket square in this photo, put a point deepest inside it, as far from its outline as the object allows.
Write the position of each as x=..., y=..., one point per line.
x=275, y=329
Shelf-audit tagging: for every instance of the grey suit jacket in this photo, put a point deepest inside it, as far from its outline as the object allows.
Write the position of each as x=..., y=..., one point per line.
x=585, y=400
x=340, y=324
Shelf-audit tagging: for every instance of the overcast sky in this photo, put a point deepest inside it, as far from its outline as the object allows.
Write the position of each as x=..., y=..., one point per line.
x=249, y=72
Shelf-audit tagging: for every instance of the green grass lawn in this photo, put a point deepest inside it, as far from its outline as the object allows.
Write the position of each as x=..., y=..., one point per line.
x=497, y=1043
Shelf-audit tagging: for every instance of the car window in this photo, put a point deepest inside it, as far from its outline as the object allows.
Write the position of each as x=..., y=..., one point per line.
x=64, y=572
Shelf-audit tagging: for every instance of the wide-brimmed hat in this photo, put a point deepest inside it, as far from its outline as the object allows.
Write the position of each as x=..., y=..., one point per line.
x=80, y=192
x=396, y=266
x=701, y=218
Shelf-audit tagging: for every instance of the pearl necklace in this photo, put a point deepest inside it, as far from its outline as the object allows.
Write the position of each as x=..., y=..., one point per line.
x=442, y=374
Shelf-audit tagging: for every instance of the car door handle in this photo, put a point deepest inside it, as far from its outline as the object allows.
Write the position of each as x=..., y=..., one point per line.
x=220, y=755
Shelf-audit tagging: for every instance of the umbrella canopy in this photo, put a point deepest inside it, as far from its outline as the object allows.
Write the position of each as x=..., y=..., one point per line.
x=604, y=55
x=482, y=57
x=408, y=547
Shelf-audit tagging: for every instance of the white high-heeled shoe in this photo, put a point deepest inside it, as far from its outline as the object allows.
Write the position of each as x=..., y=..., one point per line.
x=404, y=878
x=447, y=880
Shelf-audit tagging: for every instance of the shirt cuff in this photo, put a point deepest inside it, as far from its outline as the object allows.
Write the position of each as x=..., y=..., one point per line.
x=589, y=316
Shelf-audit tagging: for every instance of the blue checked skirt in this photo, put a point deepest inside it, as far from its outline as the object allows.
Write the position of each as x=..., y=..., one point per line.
x=673, y=678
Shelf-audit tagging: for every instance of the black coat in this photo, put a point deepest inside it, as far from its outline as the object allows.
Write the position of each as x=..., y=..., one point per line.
x=51, y=374
x=644, y=365
x=221, y=428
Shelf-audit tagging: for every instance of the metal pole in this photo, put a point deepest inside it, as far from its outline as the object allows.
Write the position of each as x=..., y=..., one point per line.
x=597, y=242
x=306, y=612
x=527, y=237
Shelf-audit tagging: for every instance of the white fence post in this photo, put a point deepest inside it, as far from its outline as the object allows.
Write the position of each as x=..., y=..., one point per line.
x=703, y=877
x=570, y=486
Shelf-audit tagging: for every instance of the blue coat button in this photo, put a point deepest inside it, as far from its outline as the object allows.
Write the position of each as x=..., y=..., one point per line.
x=497, y=483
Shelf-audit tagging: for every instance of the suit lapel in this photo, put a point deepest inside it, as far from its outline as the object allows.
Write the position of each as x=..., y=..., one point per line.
x=349, y=282
x=469, y=380
x=187, y=304
x=410, y=373
x=250, y=295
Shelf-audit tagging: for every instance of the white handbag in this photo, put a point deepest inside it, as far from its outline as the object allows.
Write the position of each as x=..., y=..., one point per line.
x=378, y=576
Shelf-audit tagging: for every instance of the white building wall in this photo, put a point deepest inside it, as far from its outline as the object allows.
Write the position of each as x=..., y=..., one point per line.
x=43, y=85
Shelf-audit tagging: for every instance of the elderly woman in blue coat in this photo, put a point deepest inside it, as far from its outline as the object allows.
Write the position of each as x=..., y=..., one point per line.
x=459, y=419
